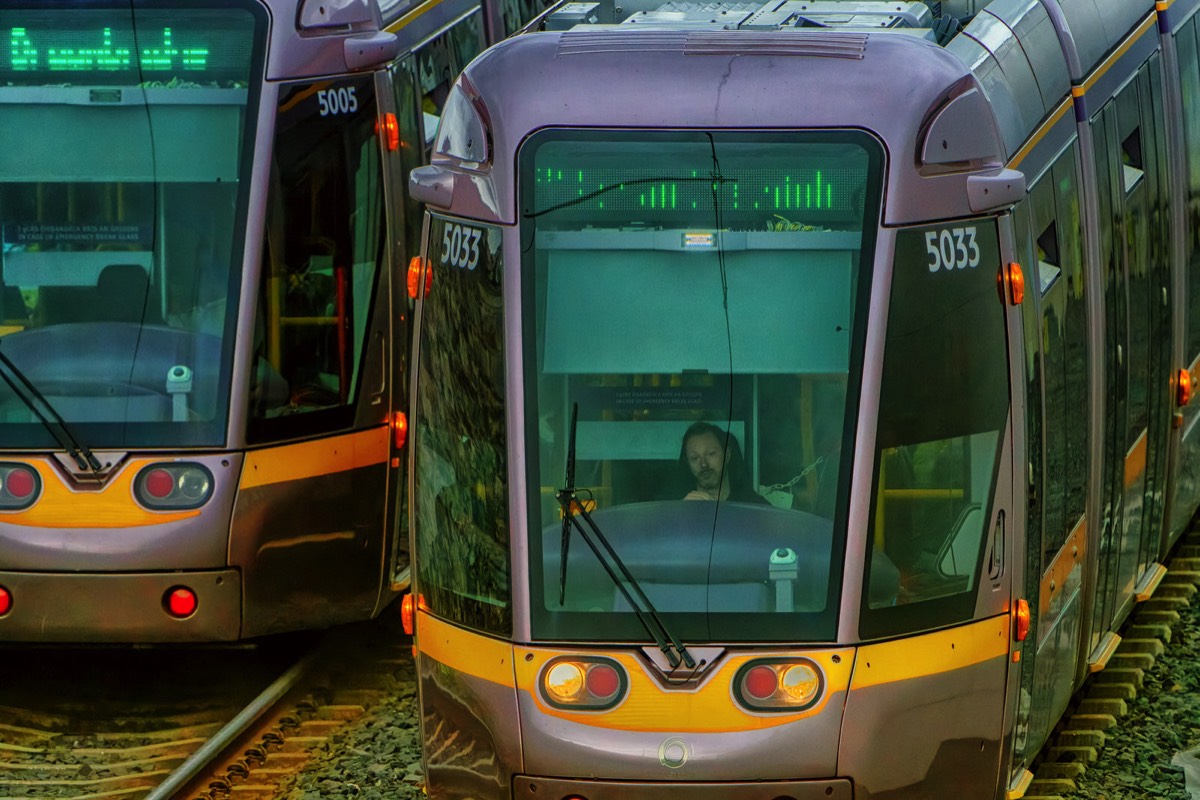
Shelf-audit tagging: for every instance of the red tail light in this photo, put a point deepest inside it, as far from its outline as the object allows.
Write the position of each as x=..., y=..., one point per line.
x=180, y=602
x=779, y=684
x=5, y=601
x=171, y=487
x=20, y=486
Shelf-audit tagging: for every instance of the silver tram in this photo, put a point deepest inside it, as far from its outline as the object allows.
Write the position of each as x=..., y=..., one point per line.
x=925, y=275
x=203, y=313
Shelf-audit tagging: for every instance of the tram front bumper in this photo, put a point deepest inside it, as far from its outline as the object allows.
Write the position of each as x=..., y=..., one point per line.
x=119, y=608
x=531, y=788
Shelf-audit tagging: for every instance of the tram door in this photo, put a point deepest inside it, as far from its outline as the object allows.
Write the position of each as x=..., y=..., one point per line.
x=1134, y=268
x=1054, y=321
x=420, y=83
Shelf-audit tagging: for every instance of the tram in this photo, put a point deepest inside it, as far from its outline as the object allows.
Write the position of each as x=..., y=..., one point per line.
x=203, y=338
x=801, y=391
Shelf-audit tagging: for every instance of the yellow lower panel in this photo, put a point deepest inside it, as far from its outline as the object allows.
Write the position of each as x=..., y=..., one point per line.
x=932, y=653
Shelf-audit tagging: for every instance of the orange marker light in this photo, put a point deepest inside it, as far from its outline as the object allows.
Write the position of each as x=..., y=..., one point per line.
x=414, y=277
x=389, y=130
x=1016, y=283
x=407, y=610
x=400, y=428
x=1184, y=393
x=1022, y=621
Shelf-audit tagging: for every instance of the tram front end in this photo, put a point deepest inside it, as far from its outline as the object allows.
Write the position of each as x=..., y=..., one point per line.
x=711, y=440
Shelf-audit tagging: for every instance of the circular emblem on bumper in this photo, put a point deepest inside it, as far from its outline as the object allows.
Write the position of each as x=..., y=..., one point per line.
x=674, y=753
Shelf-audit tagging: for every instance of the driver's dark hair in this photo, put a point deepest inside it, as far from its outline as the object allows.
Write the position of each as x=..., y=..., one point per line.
x=735, y=467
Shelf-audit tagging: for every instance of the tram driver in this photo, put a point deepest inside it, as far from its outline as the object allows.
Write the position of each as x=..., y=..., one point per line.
x=711, y=461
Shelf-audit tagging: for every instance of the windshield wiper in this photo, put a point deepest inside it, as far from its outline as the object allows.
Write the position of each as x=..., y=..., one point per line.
x=30, y=396
x=675, y=651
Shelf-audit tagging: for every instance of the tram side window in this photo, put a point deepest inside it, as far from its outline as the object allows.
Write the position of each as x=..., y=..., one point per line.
x=439, y=61
x=460, y=475
x=412, y=144
x=943, y=410
x=1061, y=308
x=1189, y=68
x=321, y=259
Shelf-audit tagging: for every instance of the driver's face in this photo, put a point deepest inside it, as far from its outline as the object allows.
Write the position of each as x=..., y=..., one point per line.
x=706, y=458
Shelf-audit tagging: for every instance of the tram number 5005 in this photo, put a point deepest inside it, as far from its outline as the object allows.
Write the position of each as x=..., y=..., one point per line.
x=460, y=246
x=952, y=248
x=342, y=100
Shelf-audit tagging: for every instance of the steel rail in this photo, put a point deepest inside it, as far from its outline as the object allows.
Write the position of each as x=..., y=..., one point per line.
x=202, y=758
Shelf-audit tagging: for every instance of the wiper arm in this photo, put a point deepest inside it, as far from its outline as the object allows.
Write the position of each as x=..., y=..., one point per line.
x=30, y=396
x=675, y=651
x=565, y=545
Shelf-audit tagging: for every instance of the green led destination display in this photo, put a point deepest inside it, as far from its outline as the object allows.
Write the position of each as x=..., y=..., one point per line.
x=810, y=190
x=92, y=45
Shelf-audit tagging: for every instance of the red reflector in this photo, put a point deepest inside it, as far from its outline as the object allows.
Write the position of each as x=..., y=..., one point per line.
x=603, y=681
x=20, y=484
x=159, y=484
x=5, y=601
x=1021, y=624
x=407, y=609
x=1185, y=388
x=181, y=602
x=400, y=428
x=760, y=682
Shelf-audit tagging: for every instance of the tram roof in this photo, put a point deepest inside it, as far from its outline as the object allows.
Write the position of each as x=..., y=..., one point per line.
x=731, y=80
x=896, y=68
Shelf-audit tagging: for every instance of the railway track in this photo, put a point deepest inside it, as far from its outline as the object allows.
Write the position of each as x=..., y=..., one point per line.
x=95, y=724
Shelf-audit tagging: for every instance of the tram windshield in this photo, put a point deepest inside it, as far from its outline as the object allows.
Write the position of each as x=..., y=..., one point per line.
x=124, y=167
x=699, y=299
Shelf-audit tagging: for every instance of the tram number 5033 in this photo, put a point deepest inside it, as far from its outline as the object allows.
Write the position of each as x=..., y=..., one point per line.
x=952, y=248
x=460, y=246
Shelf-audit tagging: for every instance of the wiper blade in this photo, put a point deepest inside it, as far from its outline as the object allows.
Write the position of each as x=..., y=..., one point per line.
x=675, y=651
x=31, y=397
x=565, y=545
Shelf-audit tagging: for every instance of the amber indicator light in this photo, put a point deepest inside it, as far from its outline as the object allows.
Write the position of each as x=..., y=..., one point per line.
x=1021, y=621
x=389, y=131
x=1184, y=392
x=408, y=614
x=414, y=277
x=1016, y=283
x=400, y=428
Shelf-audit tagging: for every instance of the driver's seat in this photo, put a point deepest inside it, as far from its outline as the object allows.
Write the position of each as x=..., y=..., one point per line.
x=122, y=294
